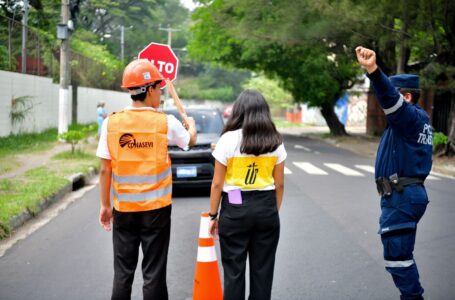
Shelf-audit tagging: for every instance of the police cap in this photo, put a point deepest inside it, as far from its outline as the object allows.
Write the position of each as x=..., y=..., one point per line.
x=405, y=81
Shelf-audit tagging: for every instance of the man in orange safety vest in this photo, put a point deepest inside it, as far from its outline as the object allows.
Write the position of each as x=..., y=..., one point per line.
x=136, y=176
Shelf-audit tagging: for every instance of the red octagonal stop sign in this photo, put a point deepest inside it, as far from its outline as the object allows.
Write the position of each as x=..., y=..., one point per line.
x=163, y=58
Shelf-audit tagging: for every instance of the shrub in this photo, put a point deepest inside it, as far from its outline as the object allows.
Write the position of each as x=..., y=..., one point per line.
x=72, y=137
x=439, y=141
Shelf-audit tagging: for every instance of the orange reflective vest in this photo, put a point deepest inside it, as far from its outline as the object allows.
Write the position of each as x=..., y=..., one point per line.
x=141, y=167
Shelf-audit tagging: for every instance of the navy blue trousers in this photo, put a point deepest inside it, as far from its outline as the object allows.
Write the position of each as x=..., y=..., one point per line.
x=400, y=214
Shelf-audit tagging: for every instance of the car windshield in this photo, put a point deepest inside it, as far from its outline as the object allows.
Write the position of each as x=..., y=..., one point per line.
x=207, y=121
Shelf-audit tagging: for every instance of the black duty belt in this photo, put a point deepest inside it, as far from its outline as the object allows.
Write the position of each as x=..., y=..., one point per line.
x=386, y=185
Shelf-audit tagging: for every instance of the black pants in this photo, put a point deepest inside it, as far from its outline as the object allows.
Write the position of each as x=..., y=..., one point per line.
x=253, y=229
x=151, y=230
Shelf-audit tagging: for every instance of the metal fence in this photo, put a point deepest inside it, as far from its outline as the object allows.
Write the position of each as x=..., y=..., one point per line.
x=41, y=51
x=43, y=56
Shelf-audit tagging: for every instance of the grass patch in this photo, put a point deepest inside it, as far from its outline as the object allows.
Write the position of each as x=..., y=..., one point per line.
x=27, y=142
x=90, y=128
x=79, y=162
x=77, y=155
x=7, y=164
x=20, y=194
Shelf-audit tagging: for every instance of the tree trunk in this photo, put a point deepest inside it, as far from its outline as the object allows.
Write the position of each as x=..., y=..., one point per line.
x=402, y=56
x=335, y=126
x=450, y=148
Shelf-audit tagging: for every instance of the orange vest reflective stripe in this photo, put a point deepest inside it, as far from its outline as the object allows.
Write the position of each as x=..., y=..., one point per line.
x=141, y=167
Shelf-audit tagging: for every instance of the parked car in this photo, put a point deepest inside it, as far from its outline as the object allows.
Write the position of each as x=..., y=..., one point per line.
x=194, y=167
x=227, y=111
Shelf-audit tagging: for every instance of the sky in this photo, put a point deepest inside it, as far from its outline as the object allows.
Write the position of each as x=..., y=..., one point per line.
x=188, y=4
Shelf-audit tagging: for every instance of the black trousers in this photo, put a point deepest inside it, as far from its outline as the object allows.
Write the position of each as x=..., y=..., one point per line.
x=253, y=229
x=151, y=230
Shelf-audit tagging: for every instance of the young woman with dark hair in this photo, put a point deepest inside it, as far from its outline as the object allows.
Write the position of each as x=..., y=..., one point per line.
x=249, y=181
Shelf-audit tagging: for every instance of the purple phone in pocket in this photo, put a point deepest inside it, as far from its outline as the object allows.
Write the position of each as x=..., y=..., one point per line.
x=235, y=197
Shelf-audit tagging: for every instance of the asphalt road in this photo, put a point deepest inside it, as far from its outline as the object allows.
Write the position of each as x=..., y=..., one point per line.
x=329, y=248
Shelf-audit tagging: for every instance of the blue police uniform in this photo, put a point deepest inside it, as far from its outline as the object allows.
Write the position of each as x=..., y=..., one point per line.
x=405, y=151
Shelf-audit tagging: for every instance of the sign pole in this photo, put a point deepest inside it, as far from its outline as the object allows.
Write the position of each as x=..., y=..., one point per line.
x=169, y=41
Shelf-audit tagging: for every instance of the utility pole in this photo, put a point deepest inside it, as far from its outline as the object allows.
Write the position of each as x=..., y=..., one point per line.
x=63, y=103
x=122, y=42
x=24, y=36
x=169, y=41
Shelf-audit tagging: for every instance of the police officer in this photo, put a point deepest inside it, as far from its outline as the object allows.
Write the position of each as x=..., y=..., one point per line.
x=403, y=162
x=136, y=175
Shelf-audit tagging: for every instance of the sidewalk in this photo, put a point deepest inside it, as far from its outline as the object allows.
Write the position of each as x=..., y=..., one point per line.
x=361, y=143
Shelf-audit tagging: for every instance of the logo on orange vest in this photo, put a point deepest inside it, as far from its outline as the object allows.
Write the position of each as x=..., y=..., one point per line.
x=128, y=140
x=251, y=174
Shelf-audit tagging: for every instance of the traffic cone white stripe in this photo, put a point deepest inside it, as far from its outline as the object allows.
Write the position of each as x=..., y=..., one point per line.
x=206, y=254
x=204, y=228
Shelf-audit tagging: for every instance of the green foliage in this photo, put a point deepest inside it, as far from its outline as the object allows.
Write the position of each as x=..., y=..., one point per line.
x=4, y=64
x=26, y=142
x=20, y=108
x=90, y=128
x=294, y=42
x=72, y=137
x=270, y=89
x=191, y=90
x=439, y=141
x=102, y=70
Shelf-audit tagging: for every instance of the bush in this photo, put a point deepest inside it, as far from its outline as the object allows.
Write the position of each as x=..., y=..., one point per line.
x=440, y=140
x=72, y=137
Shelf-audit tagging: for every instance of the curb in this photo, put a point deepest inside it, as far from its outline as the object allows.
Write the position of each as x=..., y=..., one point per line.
x=75, y=182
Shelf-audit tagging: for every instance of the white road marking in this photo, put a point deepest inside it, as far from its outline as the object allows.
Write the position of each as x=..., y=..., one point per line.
x=310, y=168
x=287, y=171
x=302, y=147
x=370, y=169
x=343, y=170
x=366, y=168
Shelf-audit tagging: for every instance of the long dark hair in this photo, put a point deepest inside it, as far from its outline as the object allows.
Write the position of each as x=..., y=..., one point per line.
x=252, y=113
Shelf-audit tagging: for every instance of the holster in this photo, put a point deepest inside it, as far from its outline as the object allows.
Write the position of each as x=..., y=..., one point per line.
x=385, y=186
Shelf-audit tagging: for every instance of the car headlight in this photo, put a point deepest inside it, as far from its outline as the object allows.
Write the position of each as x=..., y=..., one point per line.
x=212, y=146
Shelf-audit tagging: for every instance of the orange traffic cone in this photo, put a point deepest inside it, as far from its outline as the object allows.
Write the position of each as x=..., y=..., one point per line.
x=207, y=283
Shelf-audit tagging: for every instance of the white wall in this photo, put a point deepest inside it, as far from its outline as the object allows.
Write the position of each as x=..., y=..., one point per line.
x=44, y=102
x=88, y=98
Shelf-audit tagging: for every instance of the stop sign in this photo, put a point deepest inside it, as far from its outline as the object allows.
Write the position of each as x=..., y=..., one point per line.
x=163, y=58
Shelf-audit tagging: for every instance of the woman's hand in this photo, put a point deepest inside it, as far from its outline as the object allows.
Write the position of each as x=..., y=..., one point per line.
x=213, y=228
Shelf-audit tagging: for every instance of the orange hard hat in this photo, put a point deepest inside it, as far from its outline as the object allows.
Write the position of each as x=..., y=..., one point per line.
x=140, y=72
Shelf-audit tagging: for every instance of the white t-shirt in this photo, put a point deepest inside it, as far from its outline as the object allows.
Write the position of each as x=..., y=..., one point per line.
x=176, y=133
x=246, y=171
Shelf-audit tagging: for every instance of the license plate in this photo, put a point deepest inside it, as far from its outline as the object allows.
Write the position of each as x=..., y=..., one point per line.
x=183, y=172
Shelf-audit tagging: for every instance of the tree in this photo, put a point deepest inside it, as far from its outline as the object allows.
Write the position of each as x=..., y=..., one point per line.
x=289, y=40
x=277, y=98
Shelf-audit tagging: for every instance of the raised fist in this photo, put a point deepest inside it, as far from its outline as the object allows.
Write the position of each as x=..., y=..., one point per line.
x=366, y=58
